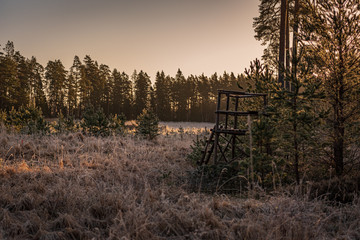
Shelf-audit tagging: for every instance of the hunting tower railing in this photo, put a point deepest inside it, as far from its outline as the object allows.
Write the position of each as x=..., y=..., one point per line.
x=224, y=135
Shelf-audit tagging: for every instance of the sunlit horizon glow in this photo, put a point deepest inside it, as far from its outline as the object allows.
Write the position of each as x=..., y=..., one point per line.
x=202, y=36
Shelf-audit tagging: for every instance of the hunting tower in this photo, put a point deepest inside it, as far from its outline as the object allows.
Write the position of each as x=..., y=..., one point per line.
x=222, y=145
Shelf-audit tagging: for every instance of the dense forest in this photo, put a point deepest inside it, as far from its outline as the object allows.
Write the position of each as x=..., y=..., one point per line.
x=56, y=90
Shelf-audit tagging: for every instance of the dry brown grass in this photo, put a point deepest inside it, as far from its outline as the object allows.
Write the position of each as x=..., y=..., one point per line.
x=80, y=187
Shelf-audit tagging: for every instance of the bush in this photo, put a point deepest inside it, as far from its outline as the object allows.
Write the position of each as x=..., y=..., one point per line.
x=95, y=122
x=28, y=120
x=65, y=124
x=147, y=124
x=2, y=119
x=197, y=149
x=117, y=124
x=98, y=124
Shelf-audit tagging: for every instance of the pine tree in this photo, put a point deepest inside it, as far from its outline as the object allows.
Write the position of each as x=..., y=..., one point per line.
x=162, y=96
x=291, y=123
x=22, y=96
x=225, y=82
x=128, y=96
x=152, y=100
x=9, y=81
x=147, y=124
x=272, y=27
x=71, y=95
x=37, y=92
x=104, y=84
x=142, y=92
x=204, y=89
x=193, y=101
x=180, y=96
x=267, y=29
x=56, y=77
x=81, y=85
x=108, y=93
x=94, y=83
x=121, y=94
x=333, y=42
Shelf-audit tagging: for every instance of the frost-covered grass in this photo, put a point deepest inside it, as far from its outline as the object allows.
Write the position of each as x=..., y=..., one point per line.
x=72, y=186
x=188, y=125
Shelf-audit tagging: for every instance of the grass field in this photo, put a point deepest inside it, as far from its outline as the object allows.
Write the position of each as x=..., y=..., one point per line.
x=73, y=186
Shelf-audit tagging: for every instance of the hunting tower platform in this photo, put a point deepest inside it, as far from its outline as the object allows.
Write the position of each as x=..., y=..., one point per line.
x=222, y=145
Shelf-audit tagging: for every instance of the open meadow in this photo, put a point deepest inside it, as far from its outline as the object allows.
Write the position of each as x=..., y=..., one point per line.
x=73, y=186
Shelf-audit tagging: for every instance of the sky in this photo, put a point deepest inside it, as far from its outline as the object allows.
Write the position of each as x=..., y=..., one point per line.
x=197, y=36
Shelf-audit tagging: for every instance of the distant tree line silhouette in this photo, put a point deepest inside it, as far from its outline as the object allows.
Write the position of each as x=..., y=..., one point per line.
x=56, y=90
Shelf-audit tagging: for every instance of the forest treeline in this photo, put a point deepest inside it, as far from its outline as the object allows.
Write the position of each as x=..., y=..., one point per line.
x=55, y=89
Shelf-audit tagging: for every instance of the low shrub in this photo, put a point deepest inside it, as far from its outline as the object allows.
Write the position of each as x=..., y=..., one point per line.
x=97, y=123
x=94, y=121
x=117, y=124
x=147, y=124
x=28, y=120
x=65, y=124
x=197, y=148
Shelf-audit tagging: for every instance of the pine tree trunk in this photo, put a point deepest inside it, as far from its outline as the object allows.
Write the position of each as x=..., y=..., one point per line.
x=287, y=45
x=339, y=120
x=339, y=130
x=282, y=42
x=294, y=87
x=295, y=42
x=296, y=146
x=339, y=149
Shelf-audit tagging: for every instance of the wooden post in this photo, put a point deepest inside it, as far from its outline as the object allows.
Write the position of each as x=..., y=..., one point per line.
x=216, y=142
x=282, y=42
x=235, y=127
x=227, y=109
x=250, y=147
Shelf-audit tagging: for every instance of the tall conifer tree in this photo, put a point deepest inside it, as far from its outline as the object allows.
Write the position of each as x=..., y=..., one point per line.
x=56, y=77
x=142, y=92
x=333, y=42
x=162, y=96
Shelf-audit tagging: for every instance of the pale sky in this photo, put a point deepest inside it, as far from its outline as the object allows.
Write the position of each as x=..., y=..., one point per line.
x=197, y=36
